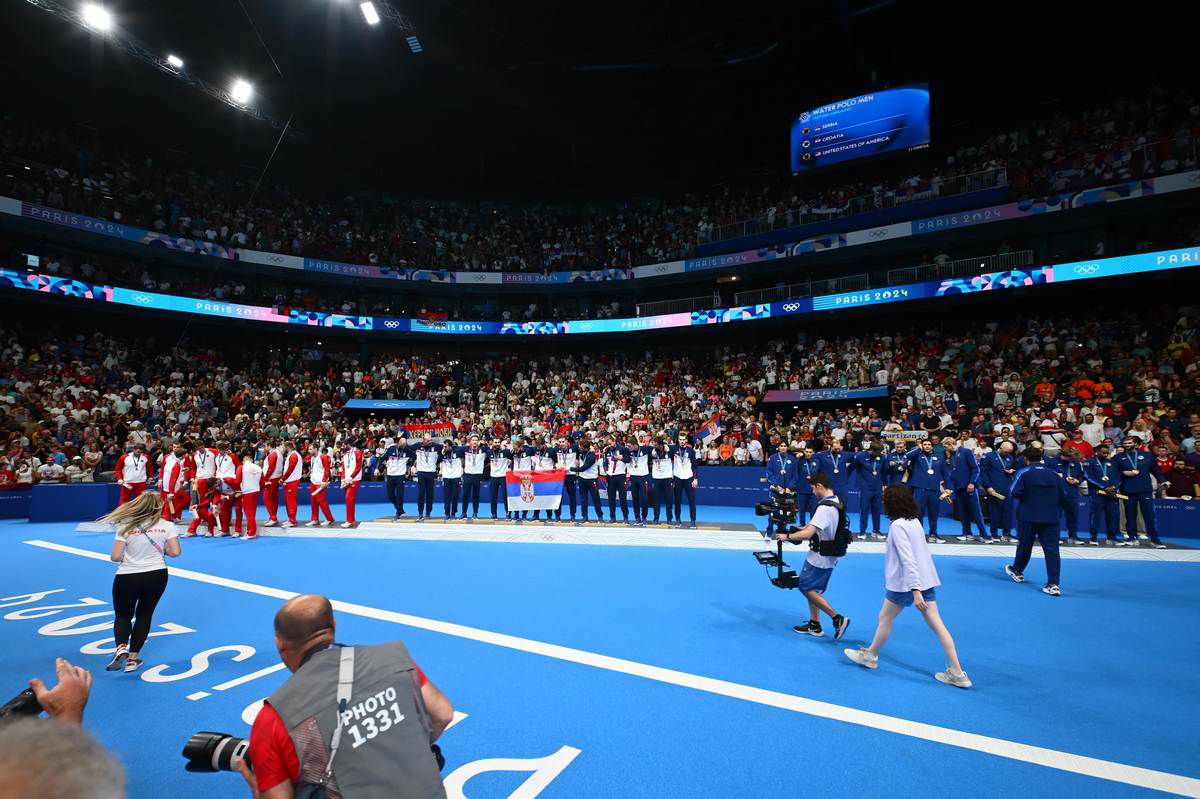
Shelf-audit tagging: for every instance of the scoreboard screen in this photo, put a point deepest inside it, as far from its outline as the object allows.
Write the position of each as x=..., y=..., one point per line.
x=888, y=121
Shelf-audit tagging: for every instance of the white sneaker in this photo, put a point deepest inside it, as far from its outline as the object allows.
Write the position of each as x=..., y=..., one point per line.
x=960, y=680
x=314, y=524
x=287, y=525
x=347, y=525
x=270, y=523
x=863, y=657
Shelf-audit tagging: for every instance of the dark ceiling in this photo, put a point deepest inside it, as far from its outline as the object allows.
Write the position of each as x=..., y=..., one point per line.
x=553, y=99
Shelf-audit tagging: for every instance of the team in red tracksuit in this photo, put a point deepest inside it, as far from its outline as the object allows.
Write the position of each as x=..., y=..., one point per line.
x=293, y=468
x=173, y=483
x=318, y=478
x=272, y=470
x=352, y=466
x=133, y=470
x=227, y=486
x=249, y=479
x=204, y=470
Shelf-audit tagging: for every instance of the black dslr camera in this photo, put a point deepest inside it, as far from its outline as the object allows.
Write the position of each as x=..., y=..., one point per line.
x=207, y=752
x=215, y=751
x=22, y=705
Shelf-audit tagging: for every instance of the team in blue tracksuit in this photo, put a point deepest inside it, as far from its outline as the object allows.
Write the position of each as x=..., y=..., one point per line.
x=639, y=481
x=897, y=465
x=663, y=481
x=1103, y=474
x=806, y=501
x=500, y=460
x=965, y=481
x=870, y=468
x=927, y=476
x=838, y=465
x=1137, y=468
x=997, y=472
x=782, y=477
x=1073, y=472
x=683, y=472
x=588, y=470
x=475, y=460
x=425, y=463
x=614, y=467
x=451, y=466
x=567, y=456
x=395, y=464
x=1040, y=494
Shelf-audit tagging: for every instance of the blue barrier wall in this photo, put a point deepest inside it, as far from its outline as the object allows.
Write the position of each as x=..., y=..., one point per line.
x=719, y=485
x=14, y=504
x=902, y=213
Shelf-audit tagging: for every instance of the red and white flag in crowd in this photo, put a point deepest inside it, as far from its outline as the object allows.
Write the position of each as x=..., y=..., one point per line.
x=441, y=430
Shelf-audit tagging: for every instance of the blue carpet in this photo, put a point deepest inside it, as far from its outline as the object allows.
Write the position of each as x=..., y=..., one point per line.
x=1103, y=672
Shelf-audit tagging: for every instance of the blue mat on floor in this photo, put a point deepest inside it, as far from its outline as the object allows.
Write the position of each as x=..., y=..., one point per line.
x=1104, y=672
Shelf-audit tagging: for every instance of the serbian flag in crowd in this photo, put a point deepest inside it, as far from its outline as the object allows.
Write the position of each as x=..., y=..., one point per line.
x=710, y=430
x=535, y=490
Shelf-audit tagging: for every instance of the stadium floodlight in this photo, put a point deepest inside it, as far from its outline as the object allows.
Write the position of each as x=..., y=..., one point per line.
x=241, y=91
x=96, y=17
x=175, y=61
x=369, y=13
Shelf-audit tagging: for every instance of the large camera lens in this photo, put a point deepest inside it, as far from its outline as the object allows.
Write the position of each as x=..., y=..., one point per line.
x=215, y=751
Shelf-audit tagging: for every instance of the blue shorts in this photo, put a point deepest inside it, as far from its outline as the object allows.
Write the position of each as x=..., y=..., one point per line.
x=905, y=598
x=814, y=578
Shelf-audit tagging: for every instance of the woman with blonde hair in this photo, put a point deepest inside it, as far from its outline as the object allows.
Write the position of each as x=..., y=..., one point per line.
x=144, y=541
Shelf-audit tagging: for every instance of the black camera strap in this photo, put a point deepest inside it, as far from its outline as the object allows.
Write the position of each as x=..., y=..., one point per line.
x=344, y=687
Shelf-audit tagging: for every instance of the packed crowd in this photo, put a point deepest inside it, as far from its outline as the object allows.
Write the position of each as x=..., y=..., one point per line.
x=1151, y=134
x=346, y=297
x=70, y=406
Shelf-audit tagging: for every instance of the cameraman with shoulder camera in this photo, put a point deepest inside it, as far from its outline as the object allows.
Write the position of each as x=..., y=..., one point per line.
x=828, y=522
x=355, y=722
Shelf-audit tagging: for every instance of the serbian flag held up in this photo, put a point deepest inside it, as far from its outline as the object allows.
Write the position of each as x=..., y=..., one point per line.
x=711, y=429
x=535, y=490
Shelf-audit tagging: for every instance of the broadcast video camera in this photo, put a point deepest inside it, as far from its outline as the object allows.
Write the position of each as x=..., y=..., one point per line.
x=835, y=547
x=781, y=508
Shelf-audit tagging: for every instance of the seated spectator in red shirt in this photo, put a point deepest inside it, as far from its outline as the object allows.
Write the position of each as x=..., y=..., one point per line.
x=1166, y=463
x=1077, y=442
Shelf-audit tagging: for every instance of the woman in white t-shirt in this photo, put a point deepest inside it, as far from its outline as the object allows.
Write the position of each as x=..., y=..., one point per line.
x=144, y=541
x=910, y=578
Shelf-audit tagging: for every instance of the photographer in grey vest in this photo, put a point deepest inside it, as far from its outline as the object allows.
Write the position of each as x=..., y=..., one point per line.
x=352, y=722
